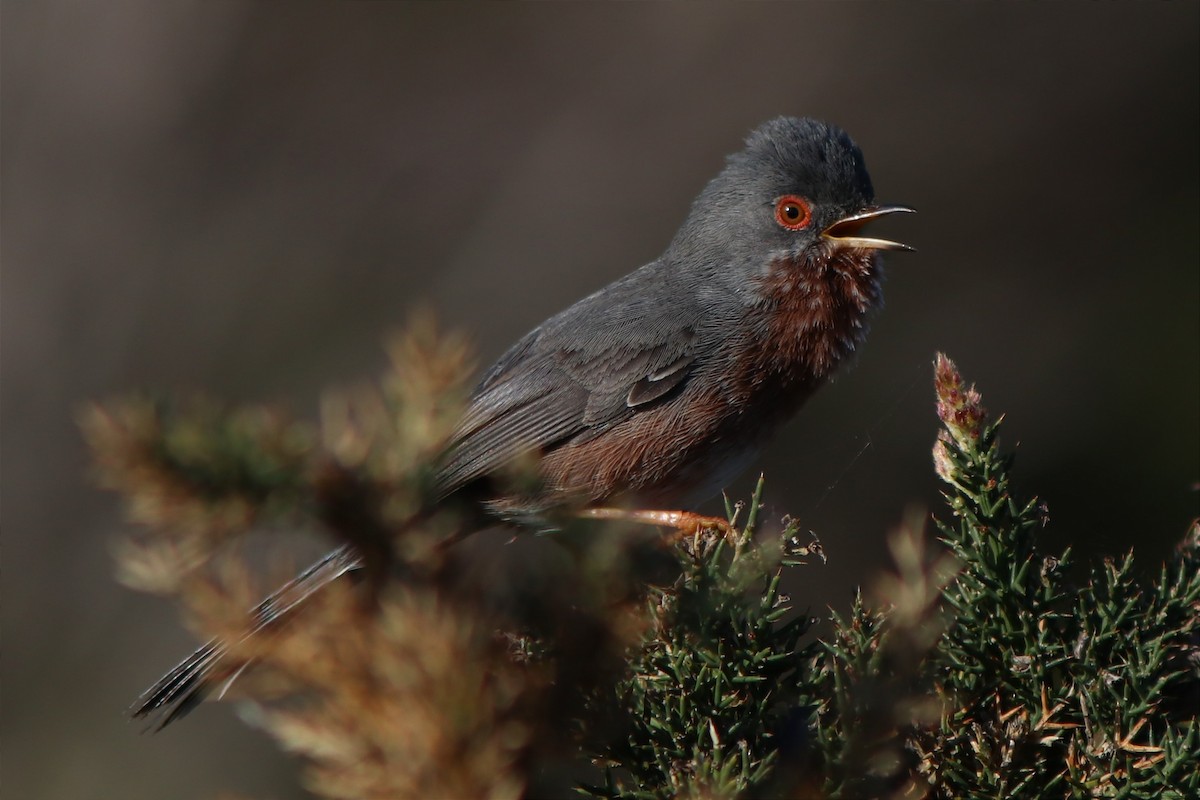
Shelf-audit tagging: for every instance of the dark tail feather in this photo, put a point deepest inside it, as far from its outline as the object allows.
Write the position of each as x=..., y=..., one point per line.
x=185, y=687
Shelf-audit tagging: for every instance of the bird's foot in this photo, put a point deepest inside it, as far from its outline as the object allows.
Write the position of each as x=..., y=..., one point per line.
x=685, y=523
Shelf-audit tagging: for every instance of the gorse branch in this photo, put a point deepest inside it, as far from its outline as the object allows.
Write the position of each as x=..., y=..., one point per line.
x=635, y=667
x=1054, y=690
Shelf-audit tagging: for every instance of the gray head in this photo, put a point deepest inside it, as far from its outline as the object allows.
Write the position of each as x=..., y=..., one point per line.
x=784, y=193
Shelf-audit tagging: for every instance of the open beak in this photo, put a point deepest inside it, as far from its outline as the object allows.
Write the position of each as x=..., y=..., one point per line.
x=844, y=232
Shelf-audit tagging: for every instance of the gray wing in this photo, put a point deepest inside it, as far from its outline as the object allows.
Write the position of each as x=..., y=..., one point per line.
x=580, y=373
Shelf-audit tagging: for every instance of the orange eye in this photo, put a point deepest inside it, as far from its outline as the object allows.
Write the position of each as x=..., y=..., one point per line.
x=793, y=212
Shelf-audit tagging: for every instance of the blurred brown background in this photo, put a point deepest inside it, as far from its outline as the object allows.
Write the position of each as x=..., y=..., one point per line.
x=246, y=198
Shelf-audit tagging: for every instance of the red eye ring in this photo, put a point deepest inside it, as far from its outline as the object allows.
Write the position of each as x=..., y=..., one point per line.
x=793, y=212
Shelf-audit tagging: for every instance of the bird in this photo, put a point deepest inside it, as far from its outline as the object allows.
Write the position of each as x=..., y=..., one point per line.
x=646, y=397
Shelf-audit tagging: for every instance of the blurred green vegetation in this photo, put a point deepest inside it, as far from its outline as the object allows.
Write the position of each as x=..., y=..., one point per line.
x=674, y=667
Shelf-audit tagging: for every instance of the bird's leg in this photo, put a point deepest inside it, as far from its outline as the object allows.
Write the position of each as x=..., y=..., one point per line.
x=686, y=523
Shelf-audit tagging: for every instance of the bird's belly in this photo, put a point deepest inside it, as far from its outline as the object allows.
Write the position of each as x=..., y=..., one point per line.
x=673, y=456
x=712, y=476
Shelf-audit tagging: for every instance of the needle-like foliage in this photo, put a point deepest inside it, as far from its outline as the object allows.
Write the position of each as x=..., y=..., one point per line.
x=641, y=667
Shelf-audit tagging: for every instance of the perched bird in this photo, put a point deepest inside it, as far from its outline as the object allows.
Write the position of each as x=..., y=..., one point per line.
x=646, y=397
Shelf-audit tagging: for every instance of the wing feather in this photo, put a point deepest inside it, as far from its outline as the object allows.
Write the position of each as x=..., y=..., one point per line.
x=599, y=362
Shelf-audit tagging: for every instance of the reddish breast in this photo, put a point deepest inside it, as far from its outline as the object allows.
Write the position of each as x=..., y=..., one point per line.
x=816, y=313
